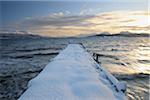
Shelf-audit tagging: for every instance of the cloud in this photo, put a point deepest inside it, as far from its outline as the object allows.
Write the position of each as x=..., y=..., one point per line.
x=86, y=11
x=66, y=24
x=57, y=20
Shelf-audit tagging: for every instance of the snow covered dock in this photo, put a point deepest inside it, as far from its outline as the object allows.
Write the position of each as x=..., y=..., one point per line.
x=74, y=75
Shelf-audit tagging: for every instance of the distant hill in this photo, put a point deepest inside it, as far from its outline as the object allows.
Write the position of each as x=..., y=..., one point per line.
x=25, y=34
x=18, y=36
x=125, y=34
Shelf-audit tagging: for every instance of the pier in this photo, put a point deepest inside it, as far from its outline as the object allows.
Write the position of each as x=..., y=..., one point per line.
x=74, y=75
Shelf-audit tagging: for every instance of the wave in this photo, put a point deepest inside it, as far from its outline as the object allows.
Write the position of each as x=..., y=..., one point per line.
x=144, y=61
x=108, y=56
x=131, y=76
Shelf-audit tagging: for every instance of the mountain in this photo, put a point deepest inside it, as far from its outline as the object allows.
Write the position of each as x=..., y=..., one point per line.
x=124, y=34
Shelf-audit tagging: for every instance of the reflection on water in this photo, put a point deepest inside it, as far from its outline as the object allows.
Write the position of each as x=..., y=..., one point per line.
x=128, y=58
x=127, y=55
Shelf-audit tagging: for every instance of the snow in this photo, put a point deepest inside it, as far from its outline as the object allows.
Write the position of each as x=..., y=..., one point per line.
x=72, y=75
x=120, y=86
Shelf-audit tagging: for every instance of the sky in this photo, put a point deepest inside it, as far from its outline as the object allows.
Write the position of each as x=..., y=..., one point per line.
x=73, y=18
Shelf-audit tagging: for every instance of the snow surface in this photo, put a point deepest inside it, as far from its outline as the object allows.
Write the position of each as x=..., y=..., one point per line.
x=72, y=75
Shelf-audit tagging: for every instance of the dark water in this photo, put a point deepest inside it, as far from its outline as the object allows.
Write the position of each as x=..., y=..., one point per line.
x=23, y=57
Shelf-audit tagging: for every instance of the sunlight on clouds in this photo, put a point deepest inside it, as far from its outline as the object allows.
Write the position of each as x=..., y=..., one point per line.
x=114, y=22
x=60, y=24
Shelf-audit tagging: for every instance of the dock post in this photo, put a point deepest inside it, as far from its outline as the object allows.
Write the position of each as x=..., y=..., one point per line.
x=96, y=57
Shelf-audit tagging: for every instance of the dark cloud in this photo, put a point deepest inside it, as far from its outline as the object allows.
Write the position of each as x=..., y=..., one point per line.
x=62, y=24
x=57, y=21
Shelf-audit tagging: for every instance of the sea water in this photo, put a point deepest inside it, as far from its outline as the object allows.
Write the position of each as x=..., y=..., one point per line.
x=127, y=58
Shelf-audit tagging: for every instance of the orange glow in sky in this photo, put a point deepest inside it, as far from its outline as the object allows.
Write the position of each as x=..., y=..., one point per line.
x=112, y=22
